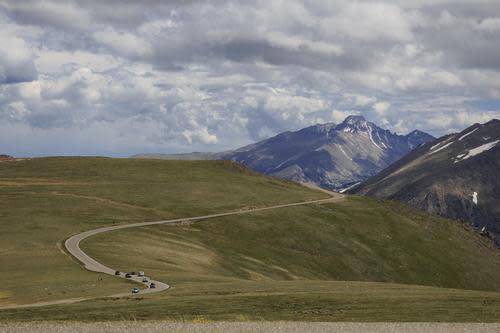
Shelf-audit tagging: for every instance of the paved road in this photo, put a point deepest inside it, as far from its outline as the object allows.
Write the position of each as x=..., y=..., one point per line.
x=72, y=244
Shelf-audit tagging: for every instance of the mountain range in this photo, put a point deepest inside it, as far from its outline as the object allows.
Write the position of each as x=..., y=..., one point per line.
x=333, y=156
x=456, y=176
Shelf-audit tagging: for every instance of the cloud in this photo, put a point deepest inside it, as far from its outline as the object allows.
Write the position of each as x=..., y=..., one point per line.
x=490, y=24
x=124, y=43
x=53, y=14
x=381, y=107
x=200, y=134
x=373, y=21
x=16, y=60
x=214, y=75
x=362, y=100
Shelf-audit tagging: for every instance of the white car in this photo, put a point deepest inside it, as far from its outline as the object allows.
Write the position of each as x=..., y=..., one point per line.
x=141, y=273
x=135, y=290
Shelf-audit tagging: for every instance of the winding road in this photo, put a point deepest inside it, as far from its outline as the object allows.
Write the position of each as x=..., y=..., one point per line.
x=72, y=245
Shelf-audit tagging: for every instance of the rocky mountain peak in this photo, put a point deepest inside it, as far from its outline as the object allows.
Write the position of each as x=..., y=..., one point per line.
x=417, y=137
x=416, y=133
x=355, y=123
x=355, y=120
x=493, y=121
x=329, y=155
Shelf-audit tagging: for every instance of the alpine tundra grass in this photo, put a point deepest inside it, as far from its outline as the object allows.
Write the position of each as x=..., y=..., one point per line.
x=355, y=260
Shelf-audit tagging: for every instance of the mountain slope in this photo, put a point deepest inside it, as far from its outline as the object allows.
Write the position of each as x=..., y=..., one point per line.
x=355, y=239
x=455, y=176
x=329, y=155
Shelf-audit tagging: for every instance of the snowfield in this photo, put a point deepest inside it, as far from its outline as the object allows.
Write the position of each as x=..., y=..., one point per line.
x=476, y=151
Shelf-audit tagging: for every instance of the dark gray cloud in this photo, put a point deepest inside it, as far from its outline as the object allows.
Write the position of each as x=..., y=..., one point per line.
x=16, y=72
x=210, y=75
x=305, y=56
x=16, y=60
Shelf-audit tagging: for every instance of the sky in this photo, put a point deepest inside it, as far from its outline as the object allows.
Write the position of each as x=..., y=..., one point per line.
x=123, y=77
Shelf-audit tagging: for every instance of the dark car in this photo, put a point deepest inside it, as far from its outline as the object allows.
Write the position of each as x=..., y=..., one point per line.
x=135, y=290
x=133, y=273
x=145, y=279
x=128, y=275
x=117, y=273
x=152, y=285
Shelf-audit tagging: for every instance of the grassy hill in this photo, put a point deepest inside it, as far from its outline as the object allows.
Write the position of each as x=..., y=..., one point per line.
x=317, y=262
x=44, y=201
x=359, y=239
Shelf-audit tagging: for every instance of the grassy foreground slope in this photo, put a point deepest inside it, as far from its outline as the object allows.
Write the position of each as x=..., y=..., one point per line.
x=279, y=265
x=284, y=300
x=357, y=239
x=270, y=265
x=44, y=201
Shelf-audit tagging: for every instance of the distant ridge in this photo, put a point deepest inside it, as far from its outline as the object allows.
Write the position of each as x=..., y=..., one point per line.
x=188, y=156
x=333, y=156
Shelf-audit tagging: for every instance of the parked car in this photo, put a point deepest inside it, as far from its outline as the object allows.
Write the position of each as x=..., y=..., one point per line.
x=128, y=275
x=135, y=290
x=152, y=285
x=117, y=273
x=133, y=273
x=145, y=279
x=141, y=273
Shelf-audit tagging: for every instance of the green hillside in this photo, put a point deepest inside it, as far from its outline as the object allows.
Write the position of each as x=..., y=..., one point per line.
x=315, y=262
x=44, y=201
x=358, y=239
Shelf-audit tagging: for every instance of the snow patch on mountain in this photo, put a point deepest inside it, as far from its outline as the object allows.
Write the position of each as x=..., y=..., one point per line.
x=443, y=147
x=467, y=134
x=476, y=151
x=349, y=187
x=371, y=138
x=343, y=151
x=441, y=143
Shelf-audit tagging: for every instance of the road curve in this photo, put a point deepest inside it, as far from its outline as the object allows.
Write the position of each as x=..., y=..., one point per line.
x=72, y=245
